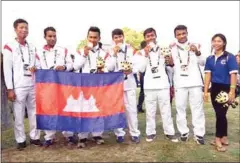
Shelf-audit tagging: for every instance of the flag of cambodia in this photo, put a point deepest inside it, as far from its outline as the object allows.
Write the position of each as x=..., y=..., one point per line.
x=68, y=101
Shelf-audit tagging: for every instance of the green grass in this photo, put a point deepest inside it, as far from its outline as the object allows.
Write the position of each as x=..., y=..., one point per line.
x=159, y=150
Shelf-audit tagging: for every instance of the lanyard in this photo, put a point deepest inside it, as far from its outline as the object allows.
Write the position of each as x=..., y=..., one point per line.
x=150, y=61
x=55, y=57
x=125, y=55
x=29, y=55
x=180, y=59
x=89, y=59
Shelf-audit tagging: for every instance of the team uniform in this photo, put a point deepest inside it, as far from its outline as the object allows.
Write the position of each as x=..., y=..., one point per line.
x=17, y=58
x=126, y=53
x=188, y=83
x=88, y=64
x=50, y=58
x=157, y=91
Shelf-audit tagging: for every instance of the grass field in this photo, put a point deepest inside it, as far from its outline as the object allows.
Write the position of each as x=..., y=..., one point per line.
x=160, y=150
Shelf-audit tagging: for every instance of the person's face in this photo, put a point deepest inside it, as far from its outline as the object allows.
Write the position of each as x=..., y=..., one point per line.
x=22, y=30
x=150, y=37
x=93, y=37
x=217, y=44
x=118, y=39
x=238, y=58
x=51, y=38
x=181, y=35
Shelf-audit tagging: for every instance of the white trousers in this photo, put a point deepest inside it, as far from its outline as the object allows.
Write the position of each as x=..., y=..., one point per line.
x=162, y=98
x=25, y=97
x=50, y=134
x=130, y=103
x=196, y=105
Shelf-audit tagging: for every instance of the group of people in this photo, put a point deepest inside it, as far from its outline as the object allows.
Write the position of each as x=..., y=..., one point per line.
x=160, y=73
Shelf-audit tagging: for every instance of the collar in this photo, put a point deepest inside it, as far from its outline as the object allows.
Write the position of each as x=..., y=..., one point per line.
x=182, y=45
x=95, y=48
x=25, y=43
x=224, y=54
x=47, y=48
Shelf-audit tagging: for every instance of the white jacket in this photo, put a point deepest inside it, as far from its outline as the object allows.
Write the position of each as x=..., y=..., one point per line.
x=149, y=81
x=13, y=65
x=56, y=56
x=114, y=64
x=194, y=77
x=89, y=62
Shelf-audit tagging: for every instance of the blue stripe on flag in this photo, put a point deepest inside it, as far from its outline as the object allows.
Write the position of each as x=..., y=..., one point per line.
x=79, y=79
x=76, y=124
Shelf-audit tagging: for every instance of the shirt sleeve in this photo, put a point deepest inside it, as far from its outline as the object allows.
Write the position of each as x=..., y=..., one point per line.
x=208, y=65
x=8, y=66
x=232, y=64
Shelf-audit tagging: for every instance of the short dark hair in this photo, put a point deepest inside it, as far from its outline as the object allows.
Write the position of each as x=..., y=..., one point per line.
x=94, y=29
x=143, y=44
x=149, y=30
x=18, y=21
x=49, y=29
x=179, y=27
x=117, y=31
x=223, y=38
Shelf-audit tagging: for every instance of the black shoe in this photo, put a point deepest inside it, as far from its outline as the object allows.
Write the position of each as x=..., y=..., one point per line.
x=71, y=140
x=21, y=146
x=82, y=143
x=36, y=142
x=184, y=137
x=98, y=139
x=48, y=143
x=199, y=140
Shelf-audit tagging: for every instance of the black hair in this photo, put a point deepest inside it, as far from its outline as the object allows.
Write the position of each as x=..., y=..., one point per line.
x=223, y=38
x=100, y=45
x=117, y=32
x=149, y=30
x=94, y=29
x=179, y=27
x=143, y=44
x=49, y=29
x=18, y=21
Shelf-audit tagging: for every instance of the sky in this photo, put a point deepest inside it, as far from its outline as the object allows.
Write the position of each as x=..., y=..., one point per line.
x=73, y=18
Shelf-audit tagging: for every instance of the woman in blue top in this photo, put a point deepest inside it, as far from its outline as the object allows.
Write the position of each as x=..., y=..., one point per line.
x=221, y=70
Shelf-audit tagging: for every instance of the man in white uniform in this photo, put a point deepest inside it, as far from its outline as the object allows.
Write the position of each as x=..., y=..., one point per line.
x=56, y=58
x=121, y=52
x=86, y=59
x=188, y=83
x=156, y=87
x=19, y=64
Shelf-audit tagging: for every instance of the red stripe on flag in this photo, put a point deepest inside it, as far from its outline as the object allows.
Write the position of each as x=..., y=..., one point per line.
x=51, y=99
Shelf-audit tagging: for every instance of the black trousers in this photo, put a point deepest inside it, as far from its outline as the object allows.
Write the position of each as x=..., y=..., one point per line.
x=220, y=111
x=141, y=94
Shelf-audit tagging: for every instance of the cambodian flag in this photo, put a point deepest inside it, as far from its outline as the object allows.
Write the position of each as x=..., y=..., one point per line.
x=68, y=101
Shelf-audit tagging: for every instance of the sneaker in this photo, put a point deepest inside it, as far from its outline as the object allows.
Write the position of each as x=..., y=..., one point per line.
x=199, y=140
x=184, y=137
x=98, y=139
x=48, y=143
x=21, y=146
x=71, y=140
x=150, y=137
x=135, y=139
x=82, y=143
x=172, y=138
x=120, y=139
x=36, y=142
